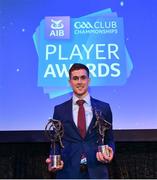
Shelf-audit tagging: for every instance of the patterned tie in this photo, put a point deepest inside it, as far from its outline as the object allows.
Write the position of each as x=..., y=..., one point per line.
x=81, y=118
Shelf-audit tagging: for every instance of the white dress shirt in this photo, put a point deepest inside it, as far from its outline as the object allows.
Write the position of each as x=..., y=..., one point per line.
x=88, y=109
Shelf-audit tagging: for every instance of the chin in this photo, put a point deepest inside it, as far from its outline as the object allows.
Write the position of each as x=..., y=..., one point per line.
x=81, y=94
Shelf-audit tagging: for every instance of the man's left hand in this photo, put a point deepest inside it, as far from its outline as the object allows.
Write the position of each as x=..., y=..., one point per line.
x=103, y=157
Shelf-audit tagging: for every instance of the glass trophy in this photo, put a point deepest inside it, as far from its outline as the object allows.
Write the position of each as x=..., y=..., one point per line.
x=54, y=131
x=102, y=125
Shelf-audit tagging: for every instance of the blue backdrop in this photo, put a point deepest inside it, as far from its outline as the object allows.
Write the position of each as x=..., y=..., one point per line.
x=25, y=106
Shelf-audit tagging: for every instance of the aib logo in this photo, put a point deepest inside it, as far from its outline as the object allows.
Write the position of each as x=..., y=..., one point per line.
x=57, y=27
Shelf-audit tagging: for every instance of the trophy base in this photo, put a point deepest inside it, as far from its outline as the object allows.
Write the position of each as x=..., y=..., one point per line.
x=104, y=149
x=56, y=160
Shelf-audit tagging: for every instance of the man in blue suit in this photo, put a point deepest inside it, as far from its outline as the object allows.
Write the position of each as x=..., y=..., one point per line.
x=80, y=156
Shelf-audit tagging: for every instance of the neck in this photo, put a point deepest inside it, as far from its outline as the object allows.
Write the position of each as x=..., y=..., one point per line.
x=81, y=96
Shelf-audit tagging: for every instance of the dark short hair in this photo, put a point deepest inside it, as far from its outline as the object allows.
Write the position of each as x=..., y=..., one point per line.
x=78, y=66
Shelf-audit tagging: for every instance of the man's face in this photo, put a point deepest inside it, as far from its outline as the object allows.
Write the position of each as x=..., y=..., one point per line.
x=79, y=82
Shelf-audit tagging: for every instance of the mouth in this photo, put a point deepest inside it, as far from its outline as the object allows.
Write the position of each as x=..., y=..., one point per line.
x=80, y=87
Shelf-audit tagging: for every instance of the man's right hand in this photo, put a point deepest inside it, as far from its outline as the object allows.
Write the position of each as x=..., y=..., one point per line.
x=51, y=168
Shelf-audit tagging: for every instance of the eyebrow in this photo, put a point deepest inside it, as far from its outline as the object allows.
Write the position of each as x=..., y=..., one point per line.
x=81, y=77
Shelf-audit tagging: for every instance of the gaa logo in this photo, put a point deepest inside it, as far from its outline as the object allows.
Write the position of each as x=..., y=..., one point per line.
x=57, y=27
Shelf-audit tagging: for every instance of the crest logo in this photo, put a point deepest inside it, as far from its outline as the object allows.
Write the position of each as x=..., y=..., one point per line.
x=57, y=24
x=57, y=27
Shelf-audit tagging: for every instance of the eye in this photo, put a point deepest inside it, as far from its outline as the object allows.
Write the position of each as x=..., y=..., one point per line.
x=75, y=78
x=83, y=77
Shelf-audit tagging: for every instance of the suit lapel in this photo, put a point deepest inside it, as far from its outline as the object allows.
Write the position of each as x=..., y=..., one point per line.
x=69, y=110
x=90, y=128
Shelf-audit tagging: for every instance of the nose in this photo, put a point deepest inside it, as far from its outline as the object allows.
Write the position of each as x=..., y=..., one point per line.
x=79, y=80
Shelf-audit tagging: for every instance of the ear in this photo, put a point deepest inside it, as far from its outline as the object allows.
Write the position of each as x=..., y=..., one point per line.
x=89, y=80
x=69, y=82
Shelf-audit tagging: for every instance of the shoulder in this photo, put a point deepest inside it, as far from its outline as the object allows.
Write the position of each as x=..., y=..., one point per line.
x=98, y=102
x=103, y=107
x=64, y=104
x=100, y=105
x=62, y=109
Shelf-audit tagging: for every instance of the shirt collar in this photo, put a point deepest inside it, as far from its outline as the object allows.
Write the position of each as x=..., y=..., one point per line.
x=86, y=98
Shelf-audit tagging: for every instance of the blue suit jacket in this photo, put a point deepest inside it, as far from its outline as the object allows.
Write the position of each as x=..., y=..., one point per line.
x=74, y=145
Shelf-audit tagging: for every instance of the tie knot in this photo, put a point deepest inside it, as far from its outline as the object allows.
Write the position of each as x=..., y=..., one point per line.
x=80, y=102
